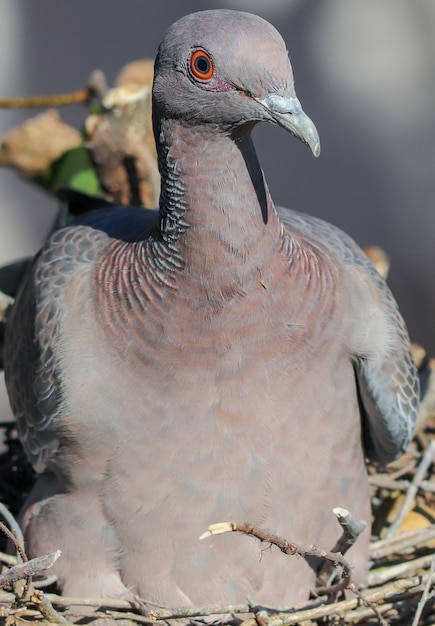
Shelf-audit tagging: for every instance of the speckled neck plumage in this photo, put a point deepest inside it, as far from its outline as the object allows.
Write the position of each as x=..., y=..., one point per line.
x=222, y=211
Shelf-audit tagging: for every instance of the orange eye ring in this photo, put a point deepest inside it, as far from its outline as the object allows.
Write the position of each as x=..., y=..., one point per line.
x=201, y=65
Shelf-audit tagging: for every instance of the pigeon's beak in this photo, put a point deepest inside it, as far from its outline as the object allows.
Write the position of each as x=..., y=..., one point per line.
x=288, y=113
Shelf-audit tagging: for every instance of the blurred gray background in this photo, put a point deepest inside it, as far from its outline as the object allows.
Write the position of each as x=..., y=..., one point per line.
x=364, y=71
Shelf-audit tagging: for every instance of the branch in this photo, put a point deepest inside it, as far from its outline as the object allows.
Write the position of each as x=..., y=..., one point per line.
x=81, y=96
x=28, y=569
x=351, y=531
x=289, y=548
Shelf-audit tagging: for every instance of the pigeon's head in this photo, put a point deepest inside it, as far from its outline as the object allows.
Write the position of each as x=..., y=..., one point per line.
x=228, y=70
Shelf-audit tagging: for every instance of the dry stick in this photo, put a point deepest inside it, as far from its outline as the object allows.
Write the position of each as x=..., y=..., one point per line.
x=287, y=548
x=8, y=559
x=381, y=575
x=340, y=608
x=412, y=491
x=21, y=553
x=47, y=581
x=155, y=613
x=10, y=519
x=384, y=481
x=370, y=606
x=388, y=609
x=428, y=485
x=76, y=97
x=425, y=596
x=404, y=469
x=16, y=536
x=46, y=608
x=132, y=617
x=13, y=537
x=351, y=531
x=96, y=87
x=28, y=569
x=197, y=611
x=402, y=543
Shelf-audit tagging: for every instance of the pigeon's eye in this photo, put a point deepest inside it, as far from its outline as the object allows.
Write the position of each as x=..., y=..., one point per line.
x=201, y=65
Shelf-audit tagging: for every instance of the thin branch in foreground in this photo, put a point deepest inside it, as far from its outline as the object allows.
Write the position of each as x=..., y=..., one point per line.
x=46, y=608
x=371, y=606
x=15, y=540
x=13, y=524
x=96, y=87
x=28, y=569
x=351, y=531
x=81, y=96
x=340, y=608
x=289, y=548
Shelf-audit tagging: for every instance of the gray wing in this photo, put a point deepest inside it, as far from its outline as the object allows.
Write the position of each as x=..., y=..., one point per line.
x=32, y=366
x=33, y=372
x=386, y=377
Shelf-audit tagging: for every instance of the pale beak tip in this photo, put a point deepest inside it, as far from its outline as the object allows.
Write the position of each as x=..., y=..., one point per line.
x=315, y=149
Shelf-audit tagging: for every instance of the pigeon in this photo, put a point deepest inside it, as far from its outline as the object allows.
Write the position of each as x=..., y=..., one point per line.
x=217, y=359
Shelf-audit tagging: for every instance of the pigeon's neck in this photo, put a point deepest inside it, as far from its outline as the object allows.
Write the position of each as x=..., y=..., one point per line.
x=215, y=207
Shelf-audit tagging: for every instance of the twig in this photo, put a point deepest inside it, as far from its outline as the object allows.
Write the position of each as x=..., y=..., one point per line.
x=47, y=581
x=428, y=485
x=108, y=603
x=46, y=608
x=402, y=542
x=75, y=97
x=413, y=488
x=13, y=524
x=404, y=468
x=384, y=481
x=425, y=595
x=197, y=611
x=131, y=617
x=96, y=87
x=351, y=531
x=28, y=568
x=342, y=607
x=8, y=559
x=13, y=537
x=381, y=575
x=370, y=605
x=156, y=612
x=289, y=548
x=262, y=618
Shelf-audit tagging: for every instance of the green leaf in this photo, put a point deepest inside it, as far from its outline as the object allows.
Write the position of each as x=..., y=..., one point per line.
x=74, y=170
